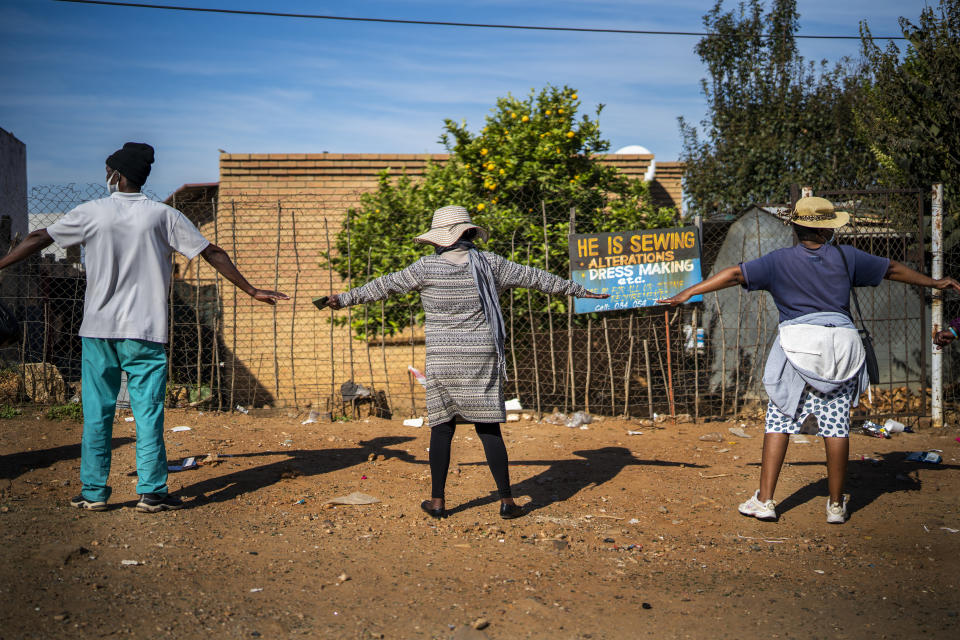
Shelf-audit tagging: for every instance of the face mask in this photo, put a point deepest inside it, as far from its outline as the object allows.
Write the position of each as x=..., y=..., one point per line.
x=113, y=187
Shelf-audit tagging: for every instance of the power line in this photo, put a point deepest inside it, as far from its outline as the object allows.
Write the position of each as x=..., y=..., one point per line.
x=438, y=23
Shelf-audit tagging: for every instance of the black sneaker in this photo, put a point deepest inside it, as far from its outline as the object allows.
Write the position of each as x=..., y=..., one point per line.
x=154, y=502
x=80, y=502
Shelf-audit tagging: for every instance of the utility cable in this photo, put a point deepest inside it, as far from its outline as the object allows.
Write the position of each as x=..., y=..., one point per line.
x=475, y=25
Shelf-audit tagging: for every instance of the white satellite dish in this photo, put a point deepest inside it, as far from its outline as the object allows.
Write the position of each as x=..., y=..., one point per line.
x=633, y=149
x=636, y=149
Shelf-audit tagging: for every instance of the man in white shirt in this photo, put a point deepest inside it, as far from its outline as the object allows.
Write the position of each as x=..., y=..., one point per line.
x=129, y=240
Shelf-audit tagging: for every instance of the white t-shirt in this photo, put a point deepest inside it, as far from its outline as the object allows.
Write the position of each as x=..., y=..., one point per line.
x=128, y=240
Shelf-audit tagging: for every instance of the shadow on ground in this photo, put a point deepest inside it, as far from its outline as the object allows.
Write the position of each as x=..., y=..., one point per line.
x=302, y=462
x=867, y=480
x=15, y=464
x=563, y=479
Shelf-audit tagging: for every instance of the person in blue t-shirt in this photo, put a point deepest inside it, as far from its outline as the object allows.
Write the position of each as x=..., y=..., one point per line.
x=817, y=364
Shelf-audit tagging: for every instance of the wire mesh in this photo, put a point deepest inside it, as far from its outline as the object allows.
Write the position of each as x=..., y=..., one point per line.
x=890, y=223
x=704, y=359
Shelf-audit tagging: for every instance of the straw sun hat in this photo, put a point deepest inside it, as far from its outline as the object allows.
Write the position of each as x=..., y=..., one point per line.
x=818, y=213
x=449, y=223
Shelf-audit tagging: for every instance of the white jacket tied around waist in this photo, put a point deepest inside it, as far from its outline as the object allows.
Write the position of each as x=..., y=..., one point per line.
x=822, y=350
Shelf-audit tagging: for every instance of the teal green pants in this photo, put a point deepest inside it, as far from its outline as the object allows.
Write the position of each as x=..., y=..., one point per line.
x=146, y=366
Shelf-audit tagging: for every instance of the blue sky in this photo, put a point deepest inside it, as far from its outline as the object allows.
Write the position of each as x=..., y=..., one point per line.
x=77, y=81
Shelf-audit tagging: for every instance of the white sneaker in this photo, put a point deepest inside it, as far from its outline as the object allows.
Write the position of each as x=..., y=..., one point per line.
x=837, y=512
x=759, y=510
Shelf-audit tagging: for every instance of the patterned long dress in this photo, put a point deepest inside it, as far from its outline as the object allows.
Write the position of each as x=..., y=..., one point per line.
x=462, y=375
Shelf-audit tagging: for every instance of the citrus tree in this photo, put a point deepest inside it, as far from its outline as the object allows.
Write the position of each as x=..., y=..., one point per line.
x=534, y=160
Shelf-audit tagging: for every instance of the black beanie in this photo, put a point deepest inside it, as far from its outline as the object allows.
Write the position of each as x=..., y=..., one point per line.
x=133, y=162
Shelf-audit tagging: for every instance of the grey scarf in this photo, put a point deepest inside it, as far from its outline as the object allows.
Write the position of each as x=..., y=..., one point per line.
x=489, y=300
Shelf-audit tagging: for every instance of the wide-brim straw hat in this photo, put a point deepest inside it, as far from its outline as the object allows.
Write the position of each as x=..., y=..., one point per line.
x=448, y=225
x=818, y=213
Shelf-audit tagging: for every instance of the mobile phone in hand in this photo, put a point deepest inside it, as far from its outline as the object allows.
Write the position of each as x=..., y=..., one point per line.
x=321, y=302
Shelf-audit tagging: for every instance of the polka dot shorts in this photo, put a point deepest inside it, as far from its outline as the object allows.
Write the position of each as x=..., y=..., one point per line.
x=832, y=411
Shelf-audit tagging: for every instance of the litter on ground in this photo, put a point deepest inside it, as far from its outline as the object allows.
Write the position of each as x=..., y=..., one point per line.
x=188, y=463
x=354, y=498
x=419, y=377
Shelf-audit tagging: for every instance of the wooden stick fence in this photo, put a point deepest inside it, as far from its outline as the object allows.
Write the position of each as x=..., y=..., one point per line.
x=217, y=363
x=233, y=354
x=535, y=342
x=533, y=339
x=293, y=311
x=276, y=285
x=333, y=361
x=546, y=263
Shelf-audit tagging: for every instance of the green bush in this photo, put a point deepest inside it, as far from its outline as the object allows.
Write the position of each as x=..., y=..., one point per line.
x=534, y=156
x=72, y=411
x=7, y=412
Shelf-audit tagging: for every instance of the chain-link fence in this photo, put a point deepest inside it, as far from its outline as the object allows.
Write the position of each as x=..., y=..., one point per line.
x=707, y=358
x=46, y=295
x=704, y=359
x=890, y=223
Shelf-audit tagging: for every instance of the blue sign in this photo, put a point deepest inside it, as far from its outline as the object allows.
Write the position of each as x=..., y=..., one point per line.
x=636, y=268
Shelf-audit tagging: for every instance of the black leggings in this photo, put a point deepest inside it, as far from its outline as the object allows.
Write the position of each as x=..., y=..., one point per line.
x=489, y=432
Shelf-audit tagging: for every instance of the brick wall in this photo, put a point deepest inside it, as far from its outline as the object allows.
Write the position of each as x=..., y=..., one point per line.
x=291, y=354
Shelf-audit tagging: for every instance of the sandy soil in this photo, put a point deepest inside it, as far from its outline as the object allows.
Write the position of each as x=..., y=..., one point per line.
x=630, y=536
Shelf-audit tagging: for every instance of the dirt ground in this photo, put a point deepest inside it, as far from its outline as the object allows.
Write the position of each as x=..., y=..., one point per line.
x=629, y=536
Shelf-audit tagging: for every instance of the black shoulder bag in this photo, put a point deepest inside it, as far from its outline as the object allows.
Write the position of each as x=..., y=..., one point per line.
x=873, y=368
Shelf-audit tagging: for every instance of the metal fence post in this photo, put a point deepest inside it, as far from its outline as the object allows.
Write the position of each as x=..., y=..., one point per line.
x=936, y=307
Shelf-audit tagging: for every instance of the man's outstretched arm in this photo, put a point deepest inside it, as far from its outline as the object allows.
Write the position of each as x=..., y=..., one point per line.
x=35, y=241
x=220, y=261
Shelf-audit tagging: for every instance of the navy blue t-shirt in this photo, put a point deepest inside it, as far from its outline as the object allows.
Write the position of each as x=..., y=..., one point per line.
x=803, y=280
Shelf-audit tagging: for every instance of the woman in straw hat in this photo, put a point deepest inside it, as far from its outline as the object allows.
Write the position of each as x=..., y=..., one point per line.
x=466, y=366
x=817, y=363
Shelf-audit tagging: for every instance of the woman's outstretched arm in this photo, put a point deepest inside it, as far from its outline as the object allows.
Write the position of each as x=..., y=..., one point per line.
x=510, y=275
x=729, y=277
x=399, y=282
x=902, y=273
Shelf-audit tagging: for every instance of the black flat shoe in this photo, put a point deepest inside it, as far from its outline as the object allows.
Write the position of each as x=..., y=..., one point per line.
x=511, y=511
x=432, y=511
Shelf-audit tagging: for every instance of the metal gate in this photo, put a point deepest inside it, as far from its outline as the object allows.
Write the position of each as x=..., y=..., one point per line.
x=890, y=223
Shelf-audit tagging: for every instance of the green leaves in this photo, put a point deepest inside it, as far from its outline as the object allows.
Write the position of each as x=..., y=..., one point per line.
x=892, y=120
x=773, y=119
x=911, y=112
x=535, y=158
